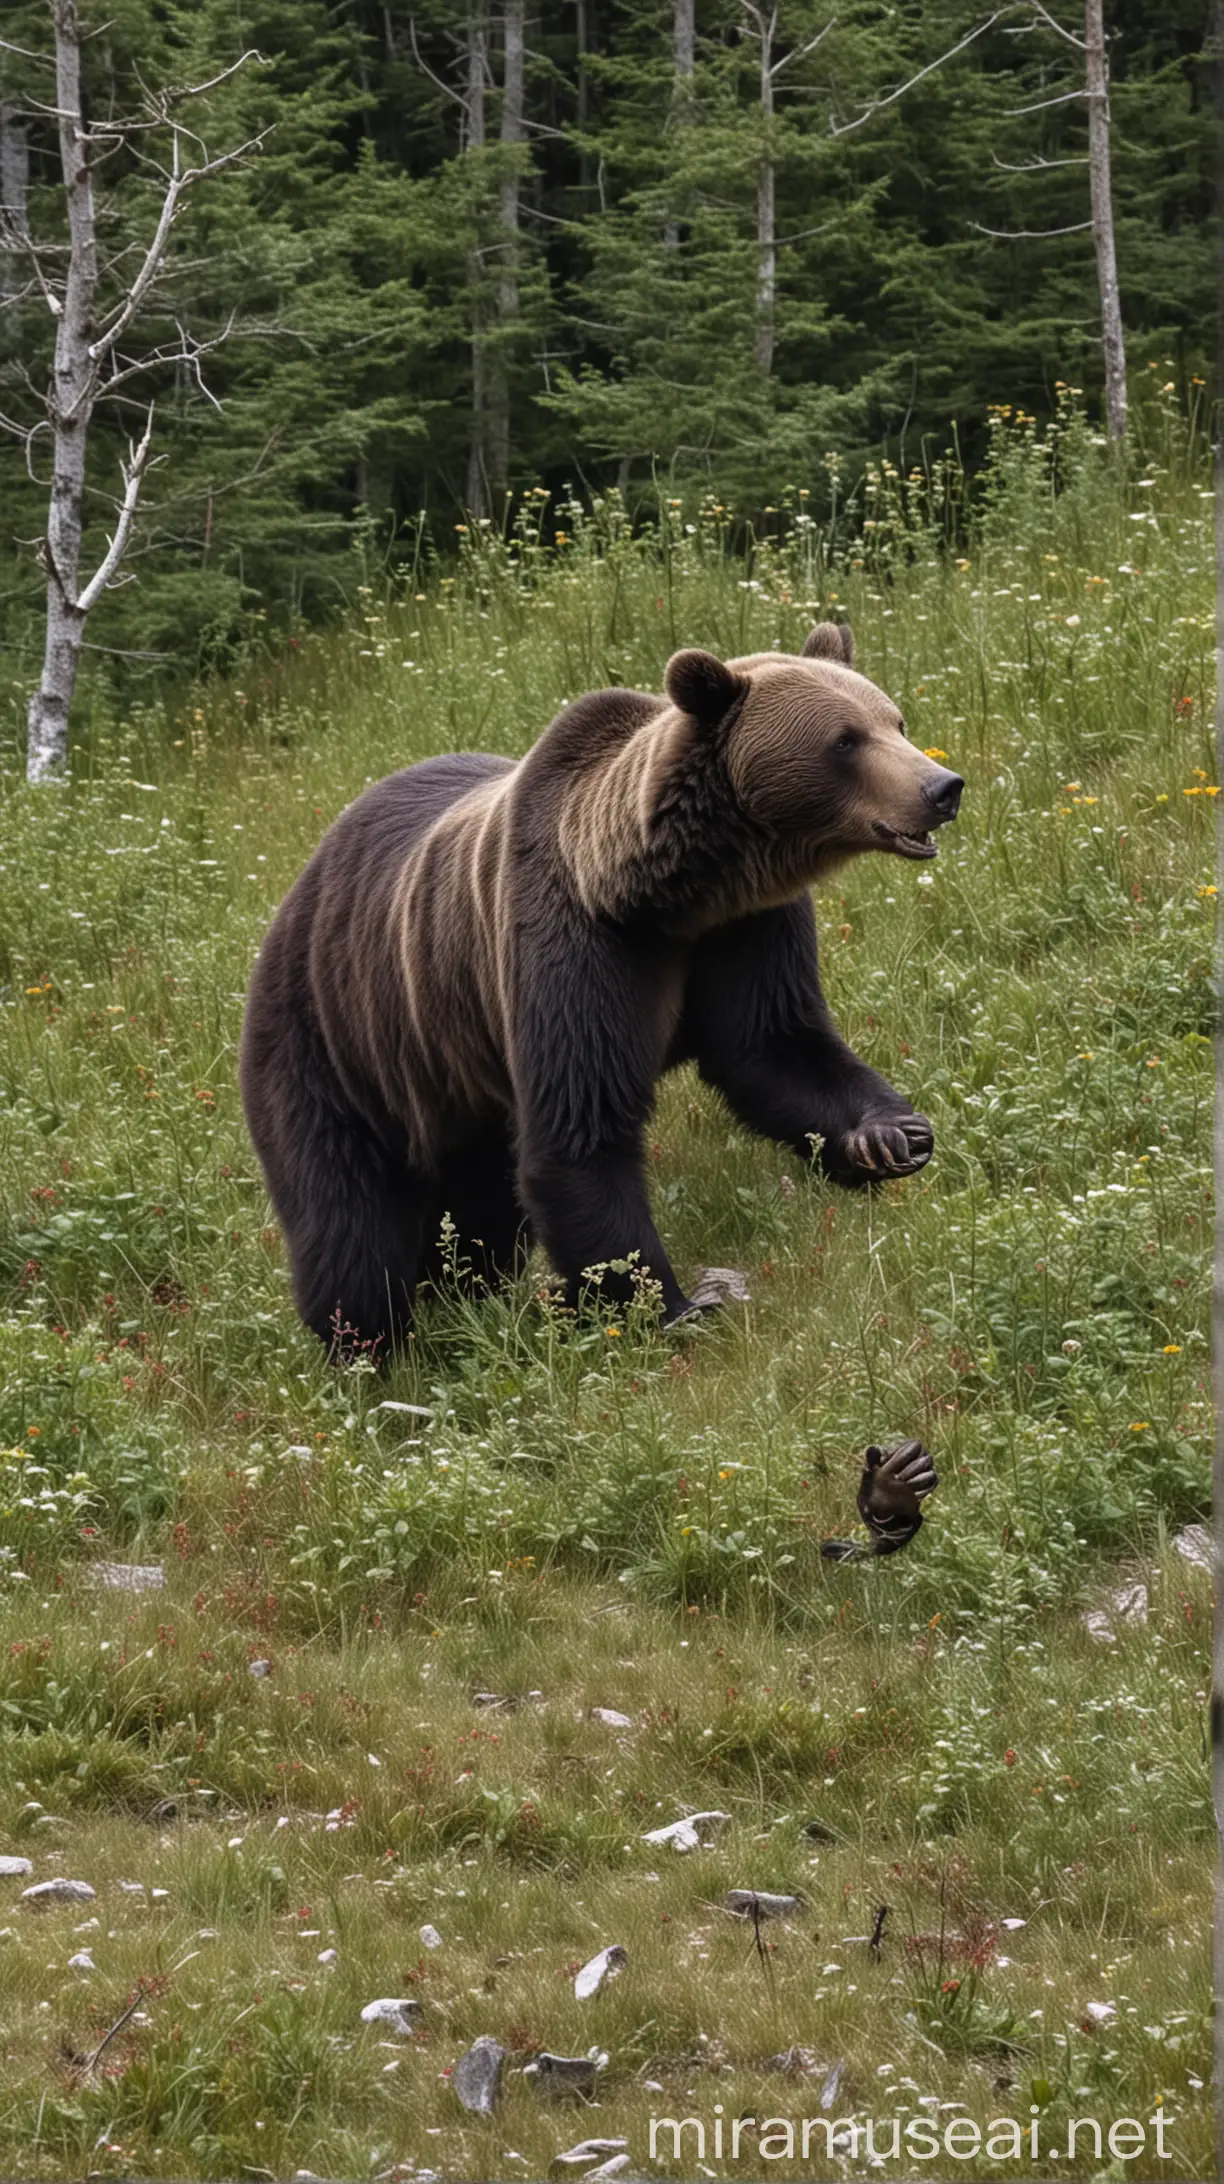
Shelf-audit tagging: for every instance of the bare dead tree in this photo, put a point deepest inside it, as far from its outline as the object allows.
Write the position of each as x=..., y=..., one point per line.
x=1095, y=91
x=763, y=29
x=14, y=196
x=92, y=358
x=684, y=54
x=1101, y=192
x=477, y=74
x=510, y=133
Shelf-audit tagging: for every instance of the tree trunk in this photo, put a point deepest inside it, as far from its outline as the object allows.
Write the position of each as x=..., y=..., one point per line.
x=477, y=76
x=1102, y=221
x=69, y=407
x=511, y=134
x=767, y=248
x=14, y=196
x=684, y=55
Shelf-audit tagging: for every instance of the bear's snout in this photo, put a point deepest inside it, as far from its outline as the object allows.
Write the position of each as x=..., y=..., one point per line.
x=942, y=791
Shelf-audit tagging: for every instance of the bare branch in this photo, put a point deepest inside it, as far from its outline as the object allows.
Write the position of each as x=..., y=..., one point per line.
x=1037, y=166
x=1064, y=99
x=44, y=60
x=1069, y=35
x=800, y=53
x=197, y=90
x=179, y=183
x=448, y=90
x=878, y=105
x=133, y=472
x=1030, y=235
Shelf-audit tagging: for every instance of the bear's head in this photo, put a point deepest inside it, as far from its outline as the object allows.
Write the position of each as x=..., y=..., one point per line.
x=816, y=754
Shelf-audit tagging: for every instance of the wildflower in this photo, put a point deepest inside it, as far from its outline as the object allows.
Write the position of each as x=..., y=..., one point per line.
x=1171, y=1349
x=1072, y=621
x=1162, y=799
x=1192, y=792
x=613, y=1331
x=1209, y=891
x=1140, y=1425
x=1069, y=786
x=934, y=752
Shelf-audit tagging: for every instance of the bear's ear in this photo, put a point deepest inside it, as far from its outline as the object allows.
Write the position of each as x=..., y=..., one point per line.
x=830, y=641
x=702, y=686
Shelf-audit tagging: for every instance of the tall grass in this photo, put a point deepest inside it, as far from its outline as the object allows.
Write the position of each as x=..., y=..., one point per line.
x=606, y=1515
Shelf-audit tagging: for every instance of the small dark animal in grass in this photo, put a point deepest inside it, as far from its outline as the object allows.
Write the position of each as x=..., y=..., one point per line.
x=466, y=1001
x=894, y=1485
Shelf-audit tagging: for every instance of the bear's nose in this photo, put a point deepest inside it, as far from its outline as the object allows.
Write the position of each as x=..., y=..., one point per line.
x=942, y=791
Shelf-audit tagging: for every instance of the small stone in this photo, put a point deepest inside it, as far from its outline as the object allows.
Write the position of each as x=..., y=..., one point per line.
x=610, y=1718
x=431, y=1938
x=1101, y=2012
x=132, y=1888
x=797, y=2062
x=563, y=2074
x=682, y=1834
x=819, y=1831
x=616, y=2167
x=13, y=1869
x=82, y=1962
x=591, y=2149
x=477, y=2079
x=609, y=1964
x=494, y=1701
x=397, y=2012
x=718, y=1285
x=127, y=1576
x=259, y=1669
x=59, y=1891
x=1131, y=1603
x=754, y=1903
x=327, y=1956
x=159, y=1895
x=1099, y=1627
x=1194, y=1545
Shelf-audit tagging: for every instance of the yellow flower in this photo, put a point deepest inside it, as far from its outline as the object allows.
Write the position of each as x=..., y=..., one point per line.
x=1162, y=799
x=1070, y=785
x=1211, y=789
x=1171, y=1349
x=934, y=752
x=1140, y=1427
x=613, y=1331
x=1209, y=891
x=1198, y=773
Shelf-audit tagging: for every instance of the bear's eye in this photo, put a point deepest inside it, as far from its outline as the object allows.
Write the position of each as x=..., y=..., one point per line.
x=847, y=741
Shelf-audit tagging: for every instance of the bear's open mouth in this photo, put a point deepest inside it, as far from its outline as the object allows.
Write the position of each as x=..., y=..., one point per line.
x=906, y=845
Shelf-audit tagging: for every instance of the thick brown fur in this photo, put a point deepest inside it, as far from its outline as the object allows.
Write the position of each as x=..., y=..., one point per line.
x=464, y=1004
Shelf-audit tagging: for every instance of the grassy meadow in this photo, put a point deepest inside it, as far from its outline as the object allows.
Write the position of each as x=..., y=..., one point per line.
x=274, y=1769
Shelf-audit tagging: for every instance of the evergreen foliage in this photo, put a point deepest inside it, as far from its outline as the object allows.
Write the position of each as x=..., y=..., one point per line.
x=432, y=307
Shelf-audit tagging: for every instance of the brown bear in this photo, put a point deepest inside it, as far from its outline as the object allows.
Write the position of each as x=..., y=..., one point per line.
x=465, y=1002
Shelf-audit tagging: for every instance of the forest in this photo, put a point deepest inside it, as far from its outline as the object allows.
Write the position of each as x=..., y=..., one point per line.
x=444, y=258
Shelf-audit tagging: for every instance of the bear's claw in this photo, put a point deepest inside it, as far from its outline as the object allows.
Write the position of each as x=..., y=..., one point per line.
x=894, y=1484
x=889, y=1145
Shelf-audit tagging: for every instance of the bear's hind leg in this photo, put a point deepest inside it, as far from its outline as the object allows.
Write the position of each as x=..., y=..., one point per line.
x=492, y=1236
x=357, y=1252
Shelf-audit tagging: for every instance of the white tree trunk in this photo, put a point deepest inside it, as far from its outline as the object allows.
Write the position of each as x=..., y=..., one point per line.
x=511, y=133
x=767, y=247
x=14, y=196
x=475, y=137
x=684, y=58
x=1112, y=341
x=69, y=406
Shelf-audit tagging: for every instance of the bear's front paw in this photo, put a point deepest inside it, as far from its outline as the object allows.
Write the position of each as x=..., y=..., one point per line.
x=886, y=1145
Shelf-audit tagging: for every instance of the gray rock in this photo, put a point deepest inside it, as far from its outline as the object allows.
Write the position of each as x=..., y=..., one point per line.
x=616, y=2167
x=558, y=2075
x=1098, y=1626
x=399, y=2013
x=754, y=1903
x=587, y=2150
x=259, y=1669
x=1194, y=1545
x=431, y=1937
x=683, y=1834
x=610, y=1718
x=718, y=1285
x=607, y=1965
x=59, y=1891
x=477, y=2079
x=127, y=1576
x=12, y=1869
x=797, y=2062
